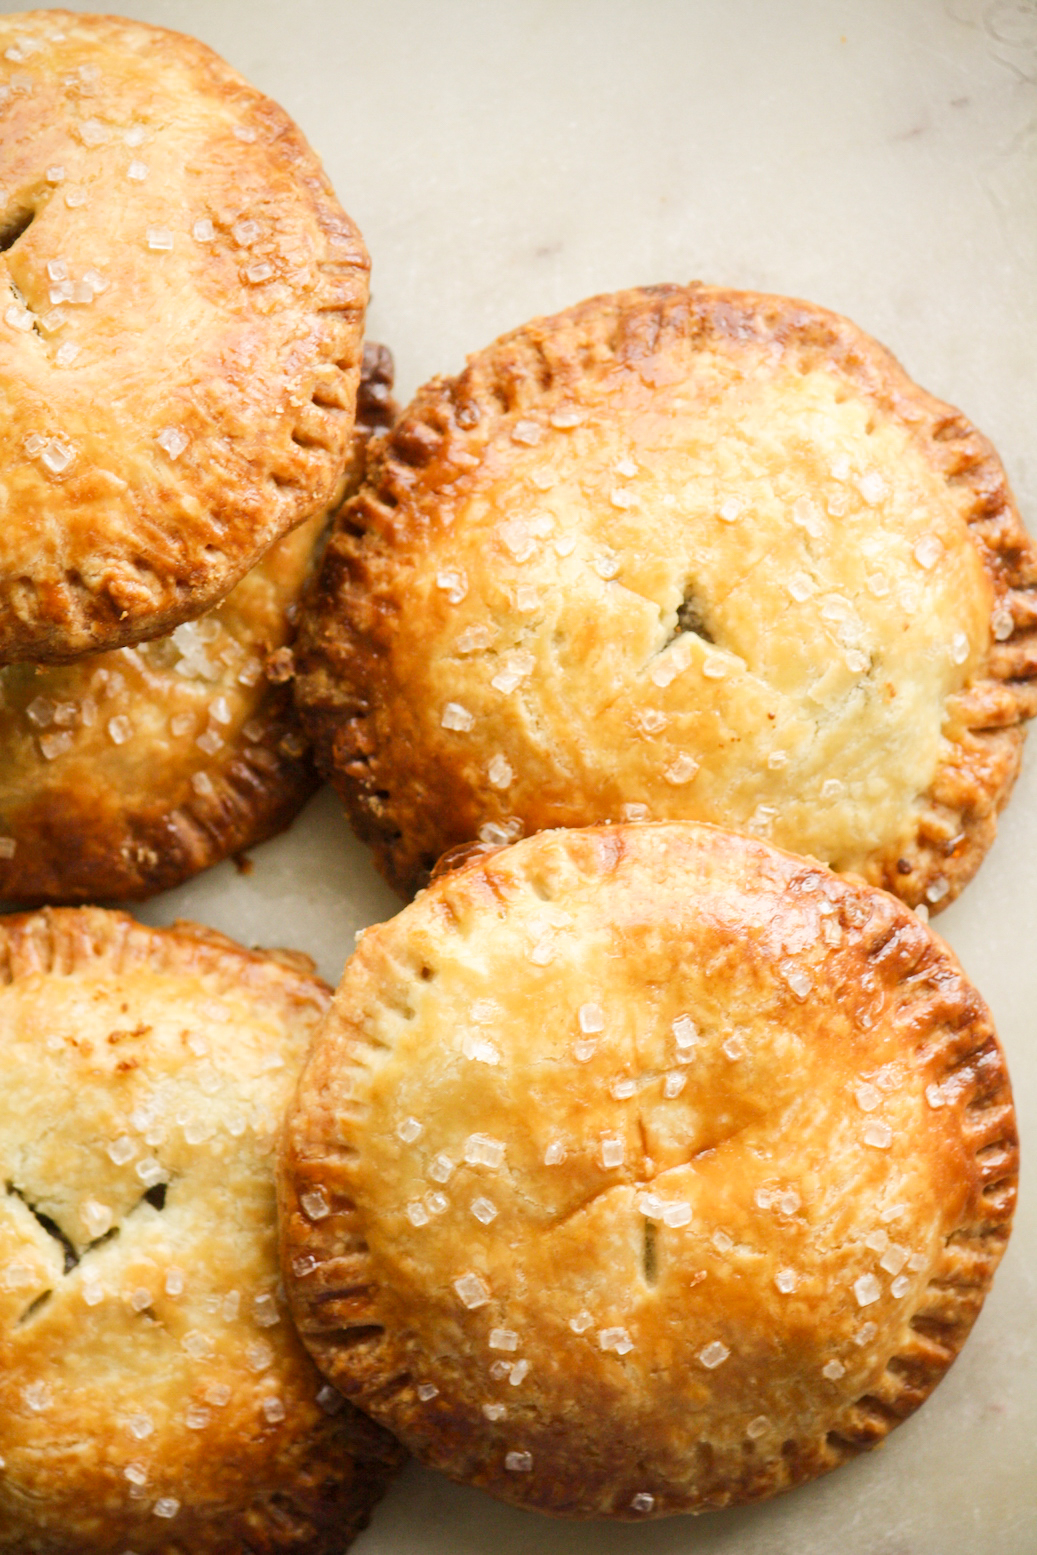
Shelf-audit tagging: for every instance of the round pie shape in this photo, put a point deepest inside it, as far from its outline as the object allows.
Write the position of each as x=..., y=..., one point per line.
x=125, y=773
x=679, y=553
x=645, y=1169
x=153, y=1393
x=180, y=332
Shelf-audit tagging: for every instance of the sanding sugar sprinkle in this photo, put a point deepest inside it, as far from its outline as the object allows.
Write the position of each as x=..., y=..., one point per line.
x=613, y=1151
x=867, y=1289
x=714, y=1355
x=591, y=1018
x=685, y=1031
x=172, y=440
x=473, y=1291
x=456, y=716
x=500, y=772
x=259, y=1355
x=482, y=1150
x=681, y=770
x=480, y=1049
x=314, y=1204
x=617, y=1339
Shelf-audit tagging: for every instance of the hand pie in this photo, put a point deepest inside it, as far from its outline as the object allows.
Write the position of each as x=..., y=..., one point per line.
x=645, y=1169
x=179, y=339
x=125, y=773
x=153, y=1393
x=679, y=553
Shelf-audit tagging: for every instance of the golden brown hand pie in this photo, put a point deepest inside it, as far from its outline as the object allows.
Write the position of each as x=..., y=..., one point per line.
x=179, y=335
x=680, y=552
x=153, y=1393
x=125, y=773
x=645, y=1169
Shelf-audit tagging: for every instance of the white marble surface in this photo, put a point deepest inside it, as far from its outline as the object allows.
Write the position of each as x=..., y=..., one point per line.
x=878, y=156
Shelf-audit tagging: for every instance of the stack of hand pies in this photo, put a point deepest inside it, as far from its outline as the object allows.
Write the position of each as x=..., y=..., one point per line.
x=676, y=654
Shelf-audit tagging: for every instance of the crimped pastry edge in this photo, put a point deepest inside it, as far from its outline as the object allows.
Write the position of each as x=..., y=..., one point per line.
x=327, y=1511
x=66, y=620
x=947, y=1027
x=256, y=790
x=345, y=639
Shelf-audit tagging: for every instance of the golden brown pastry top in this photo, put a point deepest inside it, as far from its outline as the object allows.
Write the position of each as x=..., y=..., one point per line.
x=644, y=1169
x=125, y=773
x=153, y=1394
x=180, y=335
x=681, y=552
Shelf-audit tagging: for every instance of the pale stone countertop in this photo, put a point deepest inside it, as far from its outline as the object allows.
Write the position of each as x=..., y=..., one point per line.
x=877, y=156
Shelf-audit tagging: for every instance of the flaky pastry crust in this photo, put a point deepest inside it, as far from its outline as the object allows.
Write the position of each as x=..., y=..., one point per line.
x=680, y=552
x=645, y=1169
x=180, y=336
x=153, y=1393
x=126, y=773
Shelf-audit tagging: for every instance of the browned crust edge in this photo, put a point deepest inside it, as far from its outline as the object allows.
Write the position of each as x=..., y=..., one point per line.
x=947, y=1030
x=343, y=1469
x=346, y=635
x=110, y=853
x=304, y=473
x=114, y=854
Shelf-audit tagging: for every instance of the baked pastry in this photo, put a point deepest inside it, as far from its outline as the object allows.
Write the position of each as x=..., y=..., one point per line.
x=679, y=553
x=180, y=339
x=645, y=1169
x=153, y=1393
x=125, y=773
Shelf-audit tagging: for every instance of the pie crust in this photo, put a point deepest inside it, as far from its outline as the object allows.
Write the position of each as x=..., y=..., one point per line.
x=179, y=339
x=645, y=1169
x=125, y=773
x=153, y=1393
x=679, y=553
